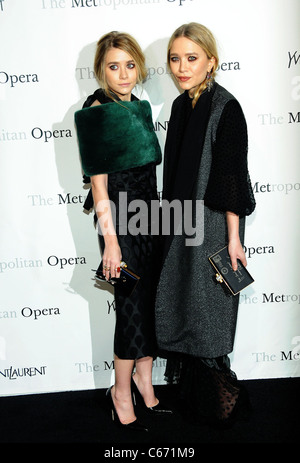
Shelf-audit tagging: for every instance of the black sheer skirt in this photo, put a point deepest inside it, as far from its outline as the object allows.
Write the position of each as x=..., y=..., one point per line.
x=134, y=336
x=209, y=391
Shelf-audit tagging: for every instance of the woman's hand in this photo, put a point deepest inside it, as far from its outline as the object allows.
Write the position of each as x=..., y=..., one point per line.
x=112, y=257
x=235, y=248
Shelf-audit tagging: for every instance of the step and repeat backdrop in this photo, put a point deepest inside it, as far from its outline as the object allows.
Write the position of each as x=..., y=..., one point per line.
x=56, y=324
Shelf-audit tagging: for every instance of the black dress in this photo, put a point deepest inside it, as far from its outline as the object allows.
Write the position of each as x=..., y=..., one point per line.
x=134, y=330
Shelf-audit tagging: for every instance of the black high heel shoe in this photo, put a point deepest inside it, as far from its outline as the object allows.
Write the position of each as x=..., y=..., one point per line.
x=138, y=398
x=135, y=425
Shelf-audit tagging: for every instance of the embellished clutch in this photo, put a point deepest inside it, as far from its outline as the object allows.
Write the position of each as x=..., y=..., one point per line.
x=127, y=281
x=237, y=280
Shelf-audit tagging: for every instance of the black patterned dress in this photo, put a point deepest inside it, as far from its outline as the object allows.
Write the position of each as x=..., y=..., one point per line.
x=135, y=329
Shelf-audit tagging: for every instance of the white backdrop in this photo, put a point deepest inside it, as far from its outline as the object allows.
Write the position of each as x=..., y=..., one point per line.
x=56, y=327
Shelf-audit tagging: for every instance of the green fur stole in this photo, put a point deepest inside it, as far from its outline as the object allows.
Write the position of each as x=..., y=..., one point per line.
x=116, y=136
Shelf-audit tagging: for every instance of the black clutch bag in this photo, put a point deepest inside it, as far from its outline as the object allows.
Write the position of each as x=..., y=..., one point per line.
x=127, y=281
x=237, y=280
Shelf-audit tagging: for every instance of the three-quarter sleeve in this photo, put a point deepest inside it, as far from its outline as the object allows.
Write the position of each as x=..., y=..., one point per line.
x=229, y=186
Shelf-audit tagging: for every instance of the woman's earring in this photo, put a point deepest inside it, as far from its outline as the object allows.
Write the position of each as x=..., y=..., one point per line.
x=209, y=81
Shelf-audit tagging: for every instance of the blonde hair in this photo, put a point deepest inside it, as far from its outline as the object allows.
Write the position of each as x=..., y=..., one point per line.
x=205, y=39
x=124, y=42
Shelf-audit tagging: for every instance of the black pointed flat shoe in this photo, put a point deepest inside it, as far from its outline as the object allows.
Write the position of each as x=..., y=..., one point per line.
x=134, y=425
x=158, y=409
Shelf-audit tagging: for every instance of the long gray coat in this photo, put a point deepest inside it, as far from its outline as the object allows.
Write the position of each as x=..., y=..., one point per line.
x=193, y=314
